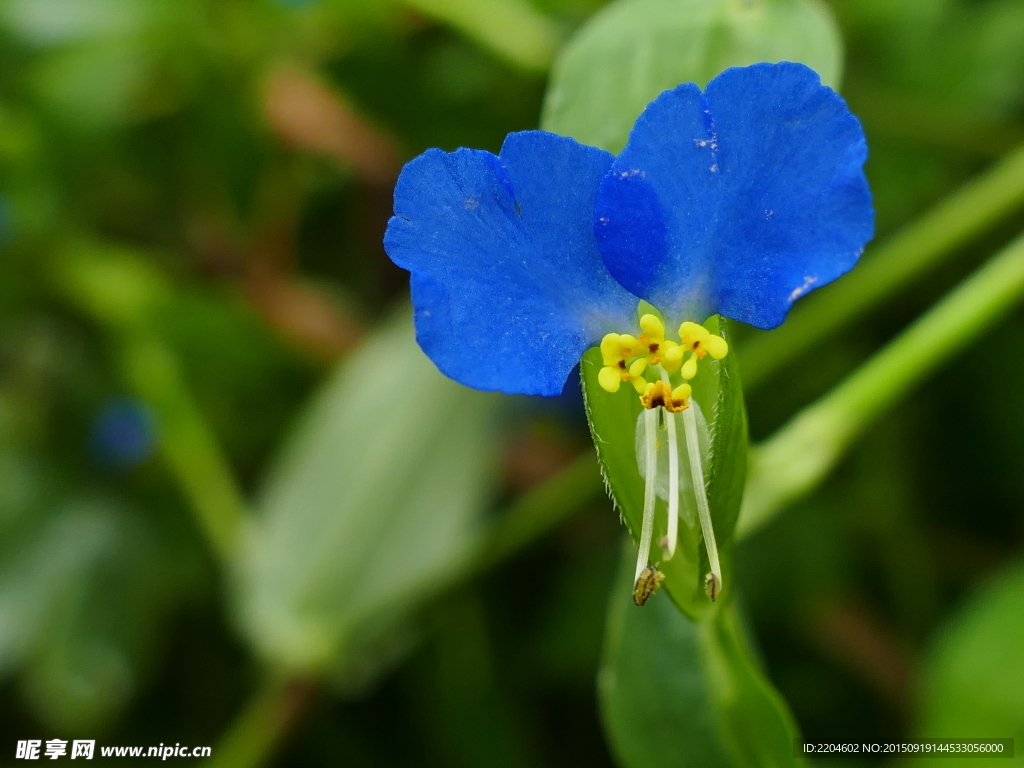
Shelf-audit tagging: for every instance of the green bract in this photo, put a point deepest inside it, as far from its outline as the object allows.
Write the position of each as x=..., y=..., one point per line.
x=678, y=693
x=613, y=419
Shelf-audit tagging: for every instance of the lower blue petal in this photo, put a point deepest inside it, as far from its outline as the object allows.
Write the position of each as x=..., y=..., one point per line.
x=507, y=281
x=738, y=200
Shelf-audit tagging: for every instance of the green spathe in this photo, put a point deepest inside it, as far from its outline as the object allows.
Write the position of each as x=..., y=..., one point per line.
x=613, y=419
x=680, y=693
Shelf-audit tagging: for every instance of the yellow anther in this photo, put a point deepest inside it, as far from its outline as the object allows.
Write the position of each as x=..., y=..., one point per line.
x=629, y=346
x=610, y=347
x=692, y=332
x=617, y=348
x=716, y=346
x=652, y=341
x=627, y=357
x=616, y=351
x=659, y=393
x=653, y=327
x=689, y=369
x=700, y=342
x=609, y=379
x=672, y=356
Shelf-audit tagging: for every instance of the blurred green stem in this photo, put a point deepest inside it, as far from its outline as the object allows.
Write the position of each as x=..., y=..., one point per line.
x=541, y=509
x=259, y=729
x=892, y=265
x=800, y=455
x=511, y=28
x=121, y=290
x=186, y=442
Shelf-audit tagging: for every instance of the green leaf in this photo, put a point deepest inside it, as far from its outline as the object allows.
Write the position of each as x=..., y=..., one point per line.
x=716, y=388
x=635, y=49
x=513, y=29
x=678, y=693
x=373, y=506
x=974, y=677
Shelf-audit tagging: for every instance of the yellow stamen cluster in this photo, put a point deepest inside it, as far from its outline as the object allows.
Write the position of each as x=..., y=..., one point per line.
x=616, y=351
x=627, y=357
x=649, y=348
x=672, y=400
x=700, y=342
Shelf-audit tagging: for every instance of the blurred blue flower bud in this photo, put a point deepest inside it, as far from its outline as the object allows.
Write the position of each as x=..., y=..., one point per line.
x=123, y=434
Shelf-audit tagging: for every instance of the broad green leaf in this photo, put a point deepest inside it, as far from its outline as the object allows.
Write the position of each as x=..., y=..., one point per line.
x=635, y=49
x=679, y=693
x=613, y=417
x=973, y=681
x=373, y=506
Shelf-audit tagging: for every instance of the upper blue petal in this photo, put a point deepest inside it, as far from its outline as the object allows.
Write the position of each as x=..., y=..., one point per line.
x=507, y=281
x=738, y=200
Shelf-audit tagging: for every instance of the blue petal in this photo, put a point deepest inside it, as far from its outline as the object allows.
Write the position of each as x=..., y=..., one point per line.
x=738, y=200
x=507, y=281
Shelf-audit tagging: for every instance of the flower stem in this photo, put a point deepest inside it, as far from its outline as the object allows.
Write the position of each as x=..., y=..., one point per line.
x=261, y=726
x=187, y=444
x=541, y=509
x=122, y=291
x=793, y=461
x=922, y=244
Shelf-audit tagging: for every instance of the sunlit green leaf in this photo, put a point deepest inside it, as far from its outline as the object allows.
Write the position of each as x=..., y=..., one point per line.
x=613, y=422
x=635, y=49
x=373, y=505
x=678, y=693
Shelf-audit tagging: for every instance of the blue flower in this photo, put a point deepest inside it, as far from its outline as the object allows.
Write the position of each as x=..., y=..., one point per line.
x=507, y=281
x=735, y=201
x=738, y=200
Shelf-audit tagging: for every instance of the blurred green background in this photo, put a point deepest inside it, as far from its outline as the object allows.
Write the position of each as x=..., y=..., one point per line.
x=238, y=509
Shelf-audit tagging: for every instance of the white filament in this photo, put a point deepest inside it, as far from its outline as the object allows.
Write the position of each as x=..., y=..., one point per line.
x=673, y=477
x=703, y=511
x=650, y=494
